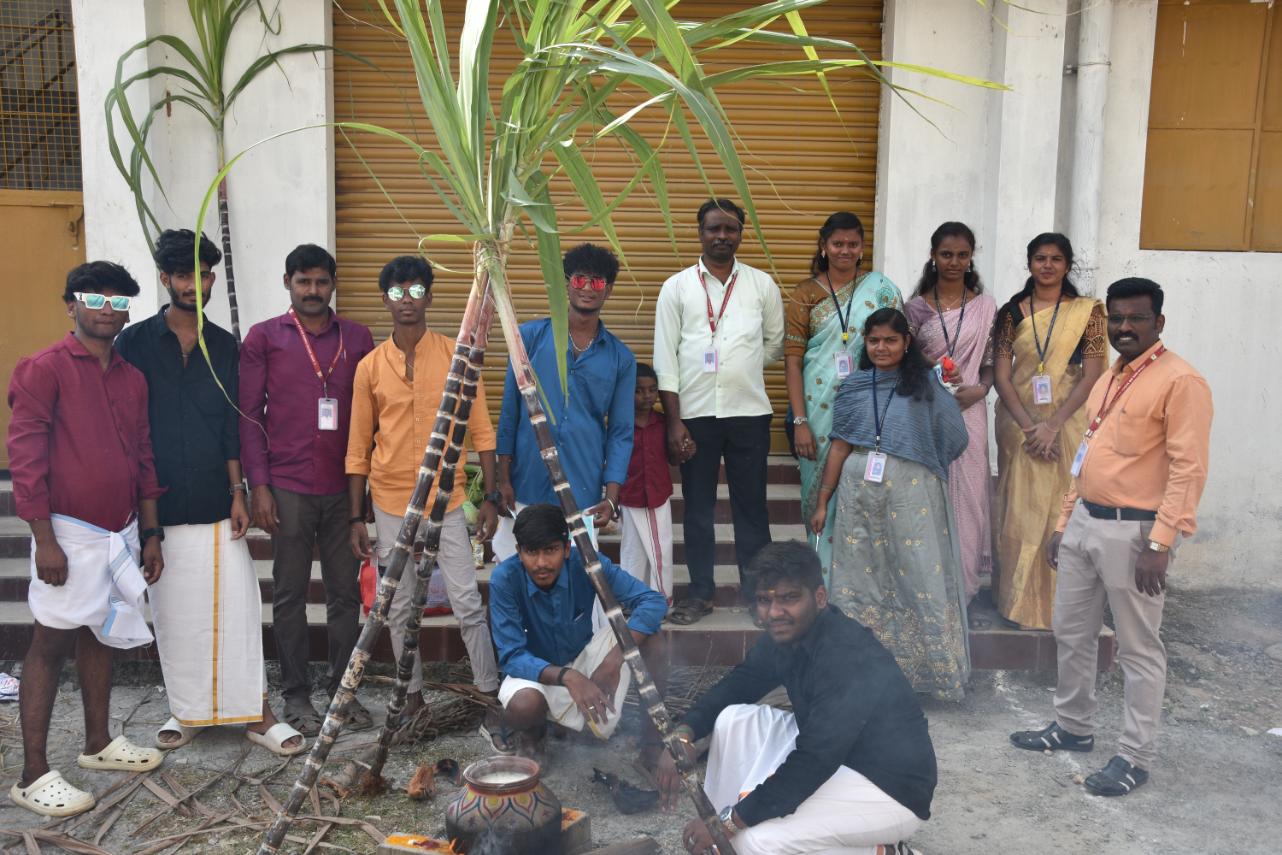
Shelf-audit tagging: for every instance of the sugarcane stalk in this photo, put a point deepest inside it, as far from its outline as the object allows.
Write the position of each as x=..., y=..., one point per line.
x=336, y=714
x=224, y=230
x=651, y=700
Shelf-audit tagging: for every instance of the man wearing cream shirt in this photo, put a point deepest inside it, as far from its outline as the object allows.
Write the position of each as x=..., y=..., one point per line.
x=717, y=324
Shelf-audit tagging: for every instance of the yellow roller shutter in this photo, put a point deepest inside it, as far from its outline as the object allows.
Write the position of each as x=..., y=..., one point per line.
x=804, y=163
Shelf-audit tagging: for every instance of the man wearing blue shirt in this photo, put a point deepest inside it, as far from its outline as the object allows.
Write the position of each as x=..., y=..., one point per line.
x=557, y=668
x=592, y=426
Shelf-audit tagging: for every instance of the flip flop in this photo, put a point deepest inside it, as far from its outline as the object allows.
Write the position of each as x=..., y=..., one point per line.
x=51, y=795
x=185, y=734
x=690, y=611
x=121, y=755
x=275, y=738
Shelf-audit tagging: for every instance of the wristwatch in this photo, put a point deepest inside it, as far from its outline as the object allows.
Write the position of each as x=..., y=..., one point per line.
x=727, y=819
x=799, y=420
x=1154, y=546
x=495, y=497
x=148, y=533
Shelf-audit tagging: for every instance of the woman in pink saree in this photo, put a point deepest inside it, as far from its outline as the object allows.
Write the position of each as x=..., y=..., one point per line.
x=952, y=316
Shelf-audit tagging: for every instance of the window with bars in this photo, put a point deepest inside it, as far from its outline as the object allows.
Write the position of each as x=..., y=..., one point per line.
x=39, y=116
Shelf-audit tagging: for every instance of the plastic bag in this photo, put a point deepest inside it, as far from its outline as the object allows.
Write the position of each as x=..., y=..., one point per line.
x=438, y=601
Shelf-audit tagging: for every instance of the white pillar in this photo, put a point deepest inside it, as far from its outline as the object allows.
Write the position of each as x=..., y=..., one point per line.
x=1093, y=63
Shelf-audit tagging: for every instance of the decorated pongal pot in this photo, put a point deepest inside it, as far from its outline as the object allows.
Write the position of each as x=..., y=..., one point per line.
x=504, y=807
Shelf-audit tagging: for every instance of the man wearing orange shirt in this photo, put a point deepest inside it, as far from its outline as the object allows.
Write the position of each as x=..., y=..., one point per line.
x=395, y=397
x=1138, y=476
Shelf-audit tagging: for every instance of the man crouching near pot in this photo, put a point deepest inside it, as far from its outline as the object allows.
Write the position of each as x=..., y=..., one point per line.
x=852, y=768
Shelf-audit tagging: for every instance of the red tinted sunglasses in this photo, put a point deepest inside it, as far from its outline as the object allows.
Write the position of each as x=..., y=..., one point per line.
x=580, y=281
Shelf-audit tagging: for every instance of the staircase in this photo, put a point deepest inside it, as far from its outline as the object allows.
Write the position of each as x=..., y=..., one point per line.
x=719, y=639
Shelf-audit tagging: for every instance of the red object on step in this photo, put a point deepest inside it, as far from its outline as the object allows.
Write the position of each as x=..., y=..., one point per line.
x=369, y=584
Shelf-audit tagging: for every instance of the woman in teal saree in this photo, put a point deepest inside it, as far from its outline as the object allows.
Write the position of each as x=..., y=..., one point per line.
x=824, y=320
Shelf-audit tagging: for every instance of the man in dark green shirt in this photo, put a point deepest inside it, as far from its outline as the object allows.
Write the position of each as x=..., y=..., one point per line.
x=852, y=766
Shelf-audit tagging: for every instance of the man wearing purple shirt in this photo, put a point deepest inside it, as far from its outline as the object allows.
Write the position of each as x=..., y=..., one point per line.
x=296, y=373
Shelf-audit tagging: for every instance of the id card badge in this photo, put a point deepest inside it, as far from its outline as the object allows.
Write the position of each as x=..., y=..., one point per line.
x=710, y=361
x=845, y=365
x=1041, y=388
x=327, y=414
x=1078, y=459
x=876, y=468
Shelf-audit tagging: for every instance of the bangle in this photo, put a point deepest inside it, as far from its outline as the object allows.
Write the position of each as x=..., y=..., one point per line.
x=614, y=506
x=831, y=488
x=238, y=487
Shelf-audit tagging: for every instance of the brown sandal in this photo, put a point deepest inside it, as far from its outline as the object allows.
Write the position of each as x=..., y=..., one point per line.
x=689, y=611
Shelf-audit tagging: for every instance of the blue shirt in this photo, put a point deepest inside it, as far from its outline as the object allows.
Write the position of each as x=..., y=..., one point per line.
x=592, y=430
x=534, y=628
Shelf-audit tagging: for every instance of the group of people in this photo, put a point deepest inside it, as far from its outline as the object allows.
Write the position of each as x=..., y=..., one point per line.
x=141, y=458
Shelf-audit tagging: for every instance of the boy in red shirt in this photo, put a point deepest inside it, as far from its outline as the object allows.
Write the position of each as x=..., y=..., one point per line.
x=645, y=501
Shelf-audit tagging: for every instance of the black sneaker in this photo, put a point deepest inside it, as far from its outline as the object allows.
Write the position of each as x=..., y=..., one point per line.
x=1116, y=779
x=1051, y=738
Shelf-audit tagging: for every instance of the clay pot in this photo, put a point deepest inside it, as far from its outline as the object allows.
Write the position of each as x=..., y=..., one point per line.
x=504, y=808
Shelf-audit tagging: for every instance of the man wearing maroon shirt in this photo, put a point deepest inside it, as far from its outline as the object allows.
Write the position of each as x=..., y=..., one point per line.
x=296, y=374
x=85, y=481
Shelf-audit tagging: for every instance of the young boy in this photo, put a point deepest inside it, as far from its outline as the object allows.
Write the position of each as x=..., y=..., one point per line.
x=645, y=501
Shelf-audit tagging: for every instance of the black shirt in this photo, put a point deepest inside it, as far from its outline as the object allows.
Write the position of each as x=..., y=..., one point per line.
x=194, y=427
x=854, y=707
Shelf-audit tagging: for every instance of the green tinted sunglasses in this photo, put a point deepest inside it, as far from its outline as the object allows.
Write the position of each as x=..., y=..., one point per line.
x=97, y=301
x=396, y=293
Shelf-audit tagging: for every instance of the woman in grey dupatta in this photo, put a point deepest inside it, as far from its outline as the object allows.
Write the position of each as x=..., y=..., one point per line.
x=896, y=567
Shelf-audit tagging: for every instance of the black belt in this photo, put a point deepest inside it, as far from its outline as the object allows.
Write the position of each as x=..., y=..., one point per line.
x=1104, y=512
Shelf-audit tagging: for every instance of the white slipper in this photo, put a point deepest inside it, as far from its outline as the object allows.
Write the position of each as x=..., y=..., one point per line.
x=121, y=755
x=51, y=795
x=275, y=738
x=185, y=734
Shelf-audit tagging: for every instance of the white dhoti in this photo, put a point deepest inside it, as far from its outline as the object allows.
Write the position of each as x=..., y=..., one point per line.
x=503, y=544
x=645, y=546
x=104, y=589
x=207, y=611
x=561, y=707
x=847, y=815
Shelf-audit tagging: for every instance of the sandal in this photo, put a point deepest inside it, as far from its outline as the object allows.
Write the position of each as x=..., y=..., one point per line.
x=275, y=738
x=358, y=717
x=303, y=718
x=121, y=755
x=185, y=734
x=500, y=740
x=51, y=795
x=1116, y=779
x=1051, y=738
x=979, y=622
x=689, y=611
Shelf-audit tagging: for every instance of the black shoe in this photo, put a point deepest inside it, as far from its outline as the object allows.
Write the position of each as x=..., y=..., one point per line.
x=1116, y=779
x=1051, y=738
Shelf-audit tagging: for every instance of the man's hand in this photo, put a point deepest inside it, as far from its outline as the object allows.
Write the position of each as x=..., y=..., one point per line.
x=1150, y=571
x=51, y=563
x=681, y=445
x=239, y=515
x=507, y=496
x=588, y=697
x=1052, y=549
x=601, y=513
x=606, y=676
x=358, y=536
x=697, y=838
x=668, y=777
x=153, y=561
x=262, y=507
x=487, y=520
x=803, y=441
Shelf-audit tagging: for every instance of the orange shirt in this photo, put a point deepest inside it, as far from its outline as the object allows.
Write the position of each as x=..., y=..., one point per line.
x=1151, y=451
x=392, y=420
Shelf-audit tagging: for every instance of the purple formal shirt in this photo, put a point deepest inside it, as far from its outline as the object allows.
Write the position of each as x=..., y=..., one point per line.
x=281, y=442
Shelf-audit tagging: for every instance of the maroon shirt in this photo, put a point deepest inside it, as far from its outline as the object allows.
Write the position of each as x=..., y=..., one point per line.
x=79, y=441
x=649, y=482
x=279, y=390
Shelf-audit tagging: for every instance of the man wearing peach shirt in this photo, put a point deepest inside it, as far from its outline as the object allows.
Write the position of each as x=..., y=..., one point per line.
x=1138, y=476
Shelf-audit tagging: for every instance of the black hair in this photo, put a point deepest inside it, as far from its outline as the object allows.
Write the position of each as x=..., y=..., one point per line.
x=173, y=253
x=787, y=559
x=1061, y=243
x=592, y=260
x=720, y=205
x=915, y=369
x=1135, y=286
x=540, y=526
x=644, y=369
x=835, y=222
x=98, y=277
x=405, y=268
x=970, y=279
x=307, y=256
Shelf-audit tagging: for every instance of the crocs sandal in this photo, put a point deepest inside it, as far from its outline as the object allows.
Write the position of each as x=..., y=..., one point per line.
x=121, y=755
x=1118, y=778
x=1051, y=738
x=51, y=795
x=689, y=611
x=275, y=738
x=185, y=734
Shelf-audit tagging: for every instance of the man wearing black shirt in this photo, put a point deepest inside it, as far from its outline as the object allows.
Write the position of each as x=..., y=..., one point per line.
x=207, y=609
x=852, y=767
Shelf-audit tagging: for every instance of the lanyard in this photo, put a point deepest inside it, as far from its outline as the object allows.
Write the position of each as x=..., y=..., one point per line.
x=879, y=415
x=1041, y=351
x=949, y=344
x=725, y=299
x=844, y=320
x=1108, y=405
x=311, y=354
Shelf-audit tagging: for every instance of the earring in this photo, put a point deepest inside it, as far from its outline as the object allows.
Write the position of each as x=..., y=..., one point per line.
x=823, y=253
x=933, y=269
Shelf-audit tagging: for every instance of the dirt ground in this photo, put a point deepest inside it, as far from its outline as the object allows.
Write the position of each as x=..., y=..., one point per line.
x=1217, y=786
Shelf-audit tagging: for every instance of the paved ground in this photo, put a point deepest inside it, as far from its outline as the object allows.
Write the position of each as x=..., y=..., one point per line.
x=1216, y=788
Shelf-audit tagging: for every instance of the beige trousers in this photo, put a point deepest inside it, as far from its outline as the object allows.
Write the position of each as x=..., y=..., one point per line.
x=1097, y=565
